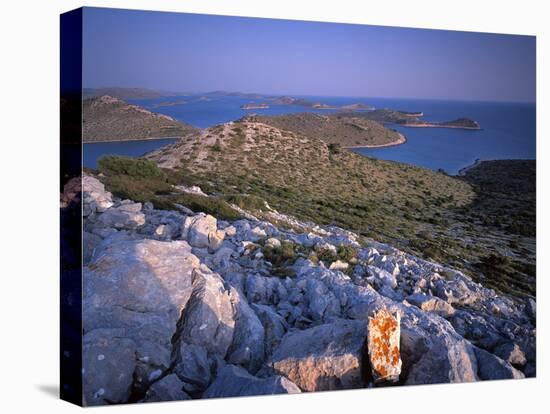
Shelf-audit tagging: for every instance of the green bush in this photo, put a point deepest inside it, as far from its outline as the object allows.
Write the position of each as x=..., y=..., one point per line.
x=210, y=205
x=135, y=188
x=346, y=253
x=248, y=202
x=133, y=167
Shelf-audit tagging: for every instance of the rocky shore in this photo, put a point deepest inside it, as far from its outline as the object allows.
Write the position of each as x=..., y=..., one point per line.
x=180, y=305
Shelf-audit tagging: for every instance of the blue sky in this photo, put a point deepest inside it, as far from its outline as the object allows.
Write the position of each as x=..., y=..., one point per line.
x=199, y=53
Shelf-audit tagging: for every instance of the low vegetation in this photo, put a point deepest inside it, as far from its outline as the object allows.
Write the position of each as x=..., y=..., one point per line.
x=142, y=180
x=458, y=221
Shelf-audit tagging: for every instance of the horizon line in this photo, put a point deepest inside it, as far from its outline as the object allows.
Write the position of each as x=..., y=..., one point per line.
x=229, y=91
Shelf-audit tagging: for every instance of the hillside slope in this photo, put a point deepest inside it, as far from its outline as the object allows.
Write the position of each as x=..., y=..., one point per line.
x=348, y=131
x=418, y=210
x=110, y=119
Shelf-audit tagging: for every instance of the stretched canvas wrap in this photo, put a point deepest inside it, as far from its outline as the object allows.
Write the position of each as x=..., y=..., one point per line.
x=256, y=206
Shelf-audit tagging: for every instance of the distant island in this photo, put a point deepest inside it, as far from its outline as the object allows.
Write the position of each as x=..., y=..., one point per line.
x=107, y=118
x=255, y=106
x=168, y=103
x=412, y=119
x=289, y=100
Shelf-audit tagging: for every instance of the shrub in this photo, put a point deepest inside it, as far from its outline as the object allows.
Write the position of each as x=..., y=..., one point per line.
x=346, y=253
x=248, y=202
x=133, y=167
x=334, y=148
x=210, y=205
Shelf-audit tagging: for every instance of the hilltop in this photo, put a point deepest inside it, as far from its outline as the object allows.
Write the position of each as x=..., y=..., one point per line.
x=111, y=119
x=334, y=129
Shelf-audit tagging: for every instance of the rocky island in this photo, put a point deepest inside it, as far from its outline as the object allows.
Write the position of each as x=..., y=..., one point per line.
x=413, y=119
x=255, y=106
x=106, y=118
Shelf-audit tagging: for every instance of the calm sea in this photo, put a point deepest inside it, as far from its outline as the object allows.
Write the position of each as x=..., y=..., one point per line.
x=508, y=129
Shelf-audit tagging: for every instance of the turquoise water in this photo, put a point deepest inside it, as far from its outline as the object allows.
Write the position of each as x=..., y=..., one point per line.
x=508, y=129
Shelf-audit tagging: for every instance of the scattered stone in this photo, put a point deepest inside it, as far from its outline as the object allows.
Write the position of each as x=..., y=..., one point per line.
x=201, y=231
x=339, y=265
x=272, y=242
x=431, y=304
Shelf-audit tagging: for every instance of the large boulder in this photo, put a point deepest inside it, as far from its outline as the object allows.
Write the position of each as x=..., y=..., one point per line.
x=247, y=348
x=208, y=320
x=126, y=216
x=275, y=326
x=193, y=367
x=233, y=381
x=168, y=388
x=201, y=231
x=94, y=197
x=432, y=352
x=108, y=365
x=137, y=289
x=325, y=357
x=491, y=367
x=512, y=353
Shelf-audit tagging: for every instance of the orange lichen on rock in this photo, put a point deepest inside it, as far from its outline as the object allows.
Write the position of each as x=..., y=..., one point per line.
x=383, y=346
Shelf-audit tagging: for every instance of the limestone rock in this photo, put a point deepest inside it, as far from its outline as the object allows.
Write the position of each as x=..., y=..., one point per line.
x=431, y=304
x=208, y=318
x=325, y=357
x=491, y=367
x=339, y=265
x=137, y=289
x=233, y=381
x=201, y=231
x=94, y=197
x=512, y=353
x=120, y=218
x=192, y=367
x=168, y=388
x=247, y=348
x=108, y=366
x=274, y=325
x=383, y=346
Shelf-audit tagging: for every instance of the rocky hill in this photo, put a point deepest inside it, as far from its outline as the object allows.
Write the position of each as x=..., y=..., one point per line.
x=106, y=118
x=334, y=129
x=179, y=304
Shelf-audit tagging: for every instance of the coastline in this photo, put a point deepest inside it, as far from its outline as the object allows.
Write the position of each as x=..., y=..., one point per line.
x=402, y=139
x=129, y=140
x=462, y=172
x=438, y=126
